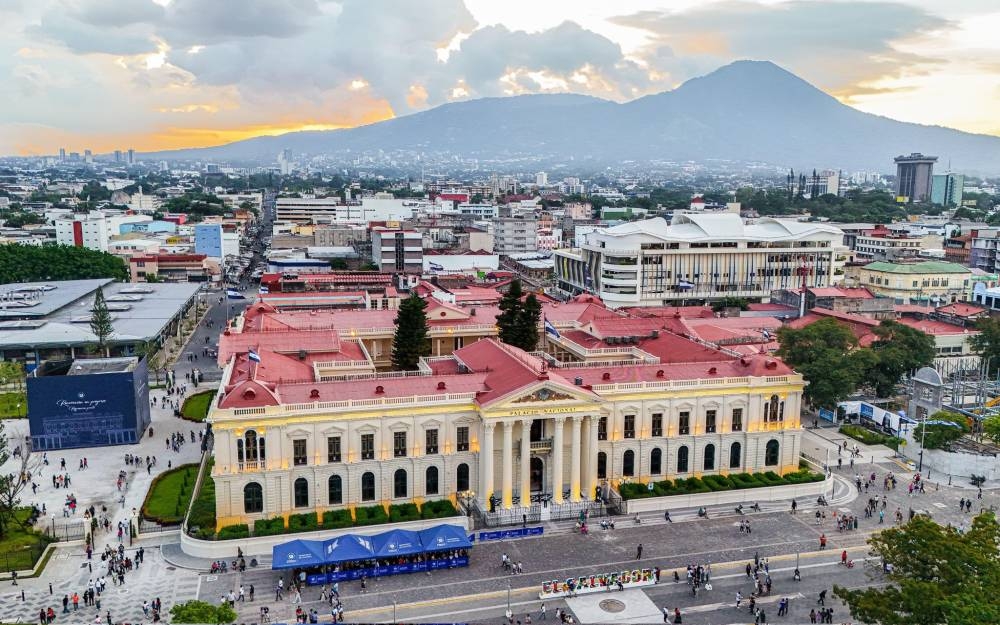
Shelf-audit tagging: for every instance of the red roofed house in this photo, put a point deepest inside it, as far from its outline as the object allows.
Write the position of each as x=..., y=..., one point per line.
x=303, y=424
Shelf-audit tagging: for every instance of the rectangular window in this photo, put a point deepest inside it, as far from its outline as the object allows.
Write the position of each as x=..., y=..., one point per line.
x=333, y=449
x=299, y=451
x=431, y=442
x=657, y=428
x=399, y=444
x=684, y=423
x=367, y=446
x=602, y=429
x=737, y=420
x=709, y=421
x=630, y=426
x=462, y=439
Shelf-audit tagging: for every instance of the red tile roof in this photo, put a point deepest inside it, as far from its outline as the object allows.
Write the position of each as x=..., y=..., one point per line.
x=960, y=309
x=934, y=327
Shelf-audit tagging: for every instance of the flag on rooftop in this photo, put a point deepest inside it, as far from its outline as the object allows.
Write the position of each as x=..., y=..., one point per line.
x=234, y=294
x=254, y=356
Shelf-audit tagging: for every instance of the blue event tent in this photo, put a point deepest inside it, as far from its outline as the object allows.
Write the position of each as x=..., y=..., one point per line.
x=346, y=548
x=444, y=537
x=396, y=543
x=297, y=553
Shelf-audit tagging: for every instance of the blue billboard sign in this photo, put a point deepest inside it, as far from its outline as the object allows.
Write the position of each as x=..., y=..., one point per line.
x=90, y=410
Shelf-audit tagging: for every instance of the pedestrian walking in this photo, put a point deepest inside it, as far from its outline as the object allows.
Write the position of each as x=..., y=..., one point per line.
x=638, y=552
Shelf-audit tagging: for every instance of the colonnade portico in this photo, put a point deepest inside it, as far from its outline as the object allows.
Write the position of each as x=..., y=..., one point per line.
x=581, y=430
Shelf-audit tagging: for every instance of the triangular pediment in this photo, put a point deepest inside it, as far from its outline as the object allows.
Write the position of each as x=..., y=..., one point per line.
x=546, y=393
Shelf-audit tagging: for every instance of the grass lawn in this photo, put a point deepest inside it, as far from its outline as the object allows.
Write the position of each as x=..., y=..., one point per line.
x=9, y=408
x=195, y=407
x=20, y=548
x=169, y=494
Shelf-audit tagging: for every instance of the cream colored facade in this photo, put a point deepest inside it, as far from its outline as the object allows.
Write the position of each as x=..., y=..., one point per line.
x=542, y=438
x=936, y=282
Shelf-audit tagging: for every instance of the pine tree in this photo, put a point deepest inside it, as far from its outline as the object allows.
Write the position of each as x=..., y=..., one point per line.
x=100, y=322
x=531, y=314
x=410, y=341
x=508, y=321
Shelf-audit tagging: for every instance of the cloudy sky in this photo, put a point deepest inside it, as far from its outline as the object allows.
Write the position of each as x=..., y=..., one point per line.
x=155, y=74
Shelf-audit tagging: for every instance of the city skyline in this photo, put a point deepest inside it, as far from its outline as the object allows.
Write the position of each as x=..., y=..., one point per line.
x=181, y=73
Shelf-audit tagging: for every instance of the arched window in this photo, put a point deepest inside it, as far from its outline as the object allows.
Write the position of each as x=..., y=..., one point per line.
x=602, y=465
x=239, y=450
x=682, y=459
x=771, y=453
x=735, y=456
x=253, y=447
x=253, y=498
x=335, y=490
x=772, y=411
x=399, y=483
x=431, y=481
x=709, y=462
x=367, y=486
x=628, y=463
x=301, y=490
x=462, y=477
x=656, y=461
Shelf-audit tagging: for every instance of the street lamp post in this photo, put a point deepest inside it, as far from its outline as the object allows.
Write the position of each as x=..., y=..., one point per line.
x=923, y=435
x=394, y=612
x=508, y=596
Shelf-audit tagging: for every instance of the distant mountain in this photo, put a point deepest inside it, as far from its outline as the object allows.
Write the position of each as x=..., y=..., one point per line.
x=746, y=111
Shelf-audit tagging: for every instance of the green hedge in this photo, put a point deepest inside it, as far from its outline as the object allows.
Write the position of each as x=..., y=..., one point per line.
x=372, y=515
x=399, y=512
x=170, y=494
x=717, y=483
x=305, y=522
x=437, y=509
x=869, y=437
x=337, y=519
x=234, y=531
x=269, y=527
x=203, y=507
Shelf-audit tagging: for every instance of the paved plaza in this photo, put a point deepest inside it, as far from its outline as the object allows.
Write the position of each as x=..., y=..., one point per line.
x=479, y=592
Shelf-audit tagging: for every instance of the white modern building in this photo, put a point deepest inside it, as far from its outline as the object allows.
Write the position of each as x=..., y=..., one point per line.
x=513, y=235
x=397, y=251
x=699, y=257
x=93, y=230
x=316, y=210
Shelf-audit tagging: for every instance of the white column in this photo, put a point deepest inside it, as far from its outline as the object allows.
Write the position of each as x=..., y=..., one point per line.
x=574, y=462
x=557, y=460
x=526, y=463
x=587, y=467
x=591, y=479
x=508, y=464
x=486, y=464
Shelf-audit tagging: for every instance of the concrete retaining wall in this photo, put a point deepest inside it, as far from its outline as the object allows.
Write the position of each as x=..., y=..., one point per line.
x=744, y=496
x=262, y=545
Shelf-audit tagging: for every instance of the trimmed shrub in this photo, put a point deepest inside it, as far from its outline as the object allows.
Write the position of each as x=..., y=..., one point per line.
x=305, y=522
x=403, y=512
x=716, y=483
x=269, y=527
x=234, y=531
x=337, y=519
x=869, y=437
x=372, y=515
x=437, y=509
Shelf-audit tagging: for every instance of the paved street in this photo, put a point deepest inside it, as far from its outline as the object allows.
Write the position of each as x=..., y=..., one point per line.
x=479, y=592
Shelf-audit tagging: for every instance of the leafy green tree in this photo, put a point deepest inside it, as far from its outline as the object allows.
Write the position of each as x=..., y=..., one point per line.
x=939, y=435
x=939, y=575
x=410, y=341
x=31, y=263
x=899, y=349
x=530, y=317
x=731, y=302
x=991, y=428
x=509, y=321
x=338, y=264
x=825, y=354
x=100, y=321
x=987, y=342
x=202, y=612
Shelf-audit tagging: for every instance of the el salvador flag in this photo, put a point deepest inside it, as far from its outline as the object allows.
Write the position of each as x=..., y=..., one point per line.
x=234, y=294
x=551, y=329
x=254, y=356
x=264, y=290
